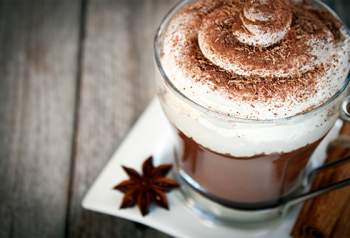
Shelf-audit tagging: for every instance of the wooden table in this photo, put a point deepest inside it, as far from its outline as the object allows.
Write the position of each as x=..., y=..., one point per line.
x=74, y=77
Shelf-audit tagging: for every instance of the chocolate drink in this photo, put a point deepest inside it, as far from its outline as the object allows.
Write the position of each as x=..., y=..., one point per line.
x=249, y=88
x=255, y=182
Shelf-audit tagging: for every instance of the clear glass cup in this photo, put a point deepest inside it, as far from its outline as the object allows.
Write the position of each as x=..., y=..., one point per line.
x=220, y=184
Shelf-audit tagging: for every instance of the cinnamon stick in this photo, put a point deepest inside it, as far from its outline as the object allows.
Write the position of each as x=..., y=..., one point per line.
x=329, y=214
x=342, y=228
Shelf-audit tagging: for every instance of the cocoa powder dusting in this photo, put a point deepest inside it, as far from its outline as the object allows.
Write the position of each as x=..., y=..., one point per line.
x=219, y=18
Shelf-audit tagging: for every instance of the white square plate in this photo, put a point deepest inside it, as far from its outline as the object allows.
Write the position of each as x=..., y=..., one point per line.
x=152, y=135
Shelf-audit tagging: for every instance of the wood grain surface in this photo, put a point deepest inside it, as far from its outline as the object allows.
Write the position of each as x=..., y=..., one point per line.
x=74, y=77
x=38, y=70
x=117, y=82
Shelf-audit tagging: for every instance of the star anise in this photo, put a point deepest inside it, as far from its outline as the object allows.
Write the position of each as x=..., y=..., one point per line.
x=147, y=188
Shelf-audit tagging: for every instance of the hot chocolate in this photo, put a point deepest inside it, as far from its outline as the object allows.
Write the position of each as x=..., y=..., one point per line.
x=245, y=83
x=243, y=182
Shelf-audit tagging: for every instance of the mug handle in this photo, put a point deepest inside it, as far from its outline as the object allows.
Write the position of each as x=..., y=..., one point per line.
x=293, y=200
x=345, y=109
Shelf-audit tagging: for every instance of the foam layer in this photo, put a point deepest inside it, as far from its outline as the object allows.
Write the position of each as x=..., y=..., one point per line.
x=247, y=87
x=300, y=52
x=245, y=82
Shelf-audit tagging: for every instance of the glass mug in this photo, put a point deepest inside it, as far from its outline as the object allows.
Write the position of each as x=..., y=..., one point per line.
x=245, y=188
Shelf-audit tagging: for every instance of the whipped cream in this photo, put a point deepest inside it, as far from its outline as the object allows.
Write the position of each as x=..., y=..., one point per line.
x=252, y=62
x=264, y=22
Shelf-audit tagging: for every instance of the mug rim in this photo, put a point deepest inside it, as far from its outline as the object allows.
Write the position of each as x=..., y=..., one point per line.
x=225, y=116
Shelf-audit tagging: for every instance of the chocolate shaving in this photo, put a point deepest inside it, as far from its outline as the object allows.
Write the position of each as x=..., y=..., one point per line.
x=220, y=17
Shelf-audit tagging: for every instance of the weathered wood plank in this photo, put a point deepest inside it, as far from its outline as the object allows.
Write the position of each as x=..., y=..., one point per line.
x=117, y=83
x=38, y=53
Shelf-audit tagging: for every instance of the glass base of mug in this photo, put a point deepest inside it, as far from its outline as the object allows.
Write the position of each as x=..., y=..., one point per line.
x=215, y=212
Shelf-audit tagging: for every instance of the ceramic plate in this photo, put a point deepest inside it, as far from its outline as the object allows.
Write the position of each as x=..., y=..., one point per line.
x=152, y=135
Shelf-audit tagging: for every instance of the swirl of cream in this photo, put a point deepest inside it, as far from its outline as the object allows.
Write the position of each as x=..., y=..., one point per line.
x=266, y=22
x=305, y=44
x=200, y=48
